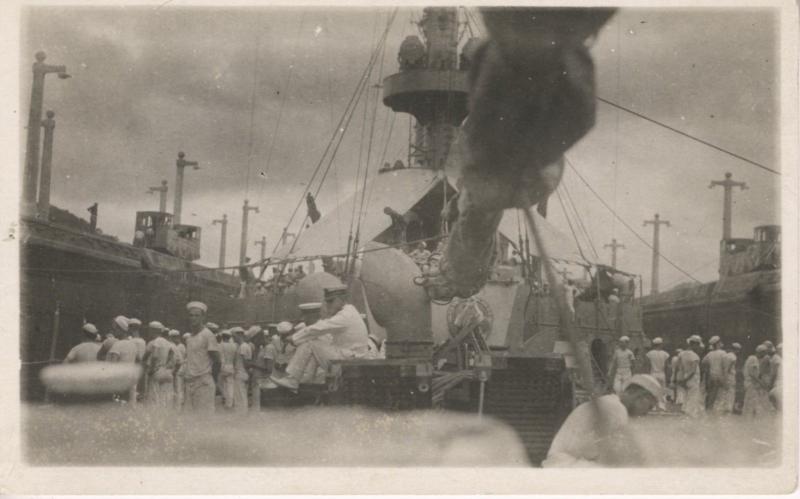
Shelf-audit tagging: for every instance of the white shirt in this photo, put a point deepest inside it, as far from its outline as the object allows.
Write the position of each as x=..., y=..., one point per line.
x=346, y=327
x=245, y=352
x=658, y=361
x=688, y=363
x=716, y=361
x=125, y=350
x=83, y=352
x=159, y=350
x=198, y=360
x=577, y=442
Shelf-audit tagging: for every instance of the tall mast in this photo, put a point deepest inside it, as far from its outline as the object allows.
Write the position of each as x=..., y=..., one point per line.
x=431, y=86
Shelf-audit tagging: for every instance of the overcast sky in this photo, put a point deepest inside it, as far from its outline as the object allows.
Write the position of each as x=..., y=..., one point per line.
x=148, y=82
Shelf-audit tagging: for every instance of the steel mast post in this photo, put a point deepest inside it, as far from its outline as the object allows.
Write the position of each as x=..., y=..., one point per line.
x=223, y=238
x=243, y=246
x=49, y=126
x=181, y=164
x=162, y=195
x=656, y=223
x=31, y=174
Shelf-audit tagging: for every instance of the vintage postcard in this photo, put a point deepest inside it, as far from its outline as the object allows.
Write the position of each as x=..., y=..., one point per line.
x=368, y=248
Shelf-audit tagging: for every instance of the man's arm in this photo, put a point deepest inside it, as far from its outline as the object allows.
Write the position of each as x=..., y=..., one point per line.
x=324, y=326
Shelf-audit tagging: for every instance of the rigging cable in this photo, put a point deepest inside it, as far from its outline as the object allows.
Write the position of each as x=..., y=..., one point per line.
x=340, y=130
x=569, y=222
x=623, y=222
x=692, y=137
x=346, y=117
x=581, y=225
x=252, y=117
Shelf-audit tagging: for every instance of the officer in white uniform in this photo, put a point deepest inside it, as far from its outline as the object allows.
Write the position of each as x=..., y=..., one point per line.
x=349, y=339
x=621, y=368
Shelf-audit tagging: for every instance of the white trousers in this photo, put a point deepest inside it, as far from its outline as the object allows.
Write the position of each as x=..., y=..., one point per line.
x=621, y=378
x=313, y=354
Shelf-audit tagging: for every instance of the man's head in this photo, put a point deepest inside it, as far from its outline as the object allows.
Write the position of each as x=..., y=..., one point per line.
x=335, y=299
x=624, y=341
x=255, y=335
x=695, y=343
x=761, y=350
x=238, y=334
x=736, y=347
x=155, y=329
x=197, y=315
x=174, y=336
x=658, y=343
x=641, y=394
x=226, y=335
x=770, y=347
x=134, y=326
x=214, y=328
x=715, y=343
x=89, y=332
x=310, y=312
x=119, y=327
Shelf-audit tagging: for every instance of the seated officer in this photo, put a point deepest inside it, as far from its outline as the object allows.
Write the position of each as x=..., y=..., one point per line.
x=348, y=339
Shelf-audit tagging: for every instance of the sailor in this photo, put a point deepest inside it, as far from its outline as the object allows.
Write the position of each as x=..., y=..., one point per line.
x=580, y=443
x=227, y=350
x=160, y=367
x=202, y=352
x=613, y=297
x=244, y=354
x=134, y=332
x=777, y=384
x=259, y=365
x=716, y=364
x=279, y=350
x=687, y=376
x=85, y=351
x=679, y=394
x=621, y=365
x=345, y=326
x=731, y=381
x=213, y=327
x=180, y=365
x=119, y=328
x=124, y=350
x=657, y=358
x=756, y=399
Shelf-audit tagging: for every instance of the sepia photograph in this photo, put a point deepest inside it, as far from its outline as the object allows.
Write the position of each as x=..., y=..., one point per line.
x=532, y=245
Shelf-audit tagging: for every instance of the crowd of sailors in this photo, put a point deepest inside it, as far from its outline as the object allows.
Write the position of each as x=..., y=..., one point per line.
x=193, y=370
x=717, y=379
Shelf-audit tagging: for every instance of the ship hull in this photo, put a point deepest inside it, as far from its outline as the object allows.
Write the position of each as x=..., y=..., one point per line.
x=69, y=278
x=744, y=308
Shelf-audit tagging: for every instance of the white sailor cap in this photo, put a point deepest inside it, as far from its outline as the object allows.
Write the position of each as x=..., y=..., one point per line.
x=197, y=304
x=310, y=306
x=694, y=339
x=156, y=325
x=133, y=321
x=299, y=326
x=212, y=326
x=714, y=340
x=252, y=331
x=658, y=341
x=187, y=335
x=285, y=327
x=225, y=332
x=122, y=322
x=624, y=338
x=762, y=348
x=89, y=328
x=174, y=332
x=647, y=382
x=736, y=346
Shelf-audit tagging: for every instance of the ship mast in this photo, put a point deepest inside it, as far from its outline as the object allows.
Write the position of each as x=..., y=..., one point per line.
x=431, y=86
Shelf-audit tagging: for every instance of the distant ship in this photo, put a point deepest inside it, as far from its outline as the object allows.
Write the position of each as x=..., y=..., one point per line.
x=743, y=306
x=72, y=274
